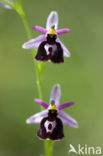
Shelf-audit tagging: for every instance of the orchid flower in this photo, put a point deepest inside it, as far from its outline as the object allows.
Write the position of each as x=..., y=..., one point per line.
x=5, y=5
x=53, y=118
x=48, y=44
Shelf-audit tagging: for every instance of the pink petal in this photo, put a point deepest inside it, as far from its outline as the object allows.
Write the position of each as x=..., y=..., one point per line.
x=65, y=50
x=52, y=20
x=5, y=6
x=40, y=29
x=67, y=120
x=45, y=105
x=34, y=43
x=62, y=31
x=36, y=118
x=65, y=105
x=55, y=94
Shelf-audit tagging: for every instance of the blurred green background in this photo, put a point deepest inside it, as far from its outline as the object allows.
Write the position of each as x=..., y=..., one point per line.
x=81, y=76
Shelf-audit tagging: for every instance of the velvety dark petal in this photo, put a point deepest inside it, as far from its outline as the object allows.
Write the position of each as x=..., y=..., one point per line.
x=36, y=118
x=52, y=20
x=58, y=133
x=55, y=94
x=57, y=55
x=50, y=50
x=40, y=29
x=67, y=120
x=50, y=129
x=41, y=53
x=65, y=105
x=45, y=105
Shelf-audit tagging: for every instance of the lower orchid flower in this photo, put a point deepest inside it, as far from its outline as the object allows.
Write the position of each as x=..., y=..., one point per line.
x=5, y=5
x=49, y=45
x=53, y=118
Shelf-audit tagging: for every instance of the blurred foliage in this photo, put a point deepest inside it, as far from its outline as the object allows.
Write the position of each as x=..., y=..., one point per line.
x=80, y=76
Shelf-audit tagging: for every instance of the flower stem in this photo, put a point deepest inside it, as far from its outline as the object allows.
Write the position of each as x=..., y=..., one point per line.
x=39, y=70
x=38, y=66
x=49, y=147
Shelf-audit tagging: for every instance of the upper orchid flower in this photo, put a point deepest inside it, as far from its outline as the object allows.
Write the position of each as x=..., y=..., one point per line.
x=49, y=45
x=5, y=5
x=52, y=119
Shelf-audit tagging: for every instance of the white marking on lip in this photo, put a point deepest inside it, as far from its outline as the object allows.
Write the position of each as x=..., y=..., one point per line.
x=47, y=123
x=47, y=46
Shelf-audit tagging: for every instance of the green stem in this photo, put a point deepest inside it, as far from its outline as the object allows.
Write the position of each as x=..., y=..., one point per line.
x=38, y=66
x=39, y=70
x=24, y=20
x=49, y=147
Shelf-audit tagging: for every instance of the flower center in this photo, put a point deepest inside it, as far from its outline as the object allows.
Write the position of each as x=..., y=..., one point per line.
x=52, y=30
x=52, y=106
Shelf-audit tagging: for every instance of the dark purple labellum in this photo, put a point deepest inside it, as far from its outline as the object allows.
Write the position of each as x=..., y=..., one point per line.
x=50, y=50
x=51, y=127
